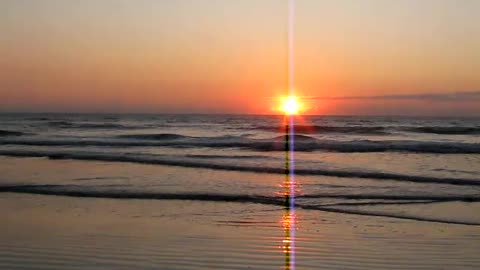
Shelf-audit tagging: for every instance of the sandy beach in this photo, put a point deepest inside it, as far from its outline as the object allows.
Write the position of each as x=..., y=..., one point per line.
x=64, y=232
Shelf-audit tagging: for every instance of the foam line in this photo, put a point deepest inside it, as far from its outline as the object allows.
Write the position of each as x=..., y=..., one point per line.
x=388, y=215
x=76, y=191
x=189, y=163
x=302, y=143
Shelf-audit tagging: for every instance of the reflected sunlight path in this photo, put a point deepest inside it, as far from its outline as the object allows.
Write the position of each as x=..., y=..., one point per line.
x=289, y=218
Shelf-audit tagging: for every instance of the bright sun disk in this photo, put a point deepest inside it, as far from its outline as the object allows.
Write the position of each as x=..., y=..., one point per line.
x=290, y=105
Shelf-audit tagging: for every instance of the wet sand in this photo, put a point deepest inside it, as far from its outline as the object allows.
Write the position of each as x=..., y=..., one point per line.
x=52, y=232
x=59, y=232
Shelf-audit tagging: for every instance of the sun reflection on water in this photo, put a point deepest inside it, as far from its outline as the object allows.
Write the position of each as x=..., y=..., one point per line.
x=289, y=219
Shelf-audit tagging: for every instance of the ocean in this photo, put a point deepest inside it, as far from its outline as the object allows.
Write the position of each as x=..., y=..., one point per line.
x=390, y=178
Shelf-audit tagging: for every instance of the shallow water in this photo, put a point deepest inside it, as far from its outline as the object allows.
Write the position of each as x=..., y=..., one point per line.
x=70, y=233
x=369, y=191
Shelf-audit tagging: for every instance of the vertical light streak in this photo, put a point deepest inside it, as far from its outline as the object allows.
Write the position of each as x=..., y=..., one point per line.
x=289, y=217
x=291, y=52
x=291, y=130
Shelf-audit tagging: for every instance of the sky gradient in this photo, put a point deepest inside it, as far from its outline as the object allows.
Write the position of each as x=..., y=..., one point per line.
x=218, y=56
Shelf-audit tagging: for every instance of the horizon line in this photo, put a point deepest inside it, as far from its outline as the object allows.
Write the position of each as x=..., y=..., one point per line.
x=238, y=114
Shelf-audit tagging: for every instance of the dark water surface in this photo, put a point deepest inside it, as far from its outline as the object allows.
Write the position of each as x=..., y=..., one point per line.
x=368, y=189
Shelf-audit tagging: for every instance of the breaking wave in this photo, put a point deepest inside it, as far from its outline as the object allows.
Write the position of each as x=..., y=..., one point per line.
x=229, y=166
x=81, y=191
x=86, y=125
x=302, y=143
x=375, y=130
x=446, y=130
x=5, y=133
x=312, y=129
x=161, y=136
x=295, y=137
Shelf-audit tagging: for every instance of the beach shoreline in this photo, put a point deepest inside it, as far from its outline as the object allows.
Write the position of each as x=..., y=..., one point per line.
x=59, y=232
x=68, y=233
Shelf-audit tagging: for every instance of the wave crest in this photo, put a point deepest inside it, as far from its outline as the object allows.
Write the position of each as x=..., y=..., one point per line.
x=312, y=129
x=5, y=133
x=235, y=166
x=81, y=191
x=374, y=130
x=86, y=125
x=161, y=136
x=447, y=130
x=302, y=143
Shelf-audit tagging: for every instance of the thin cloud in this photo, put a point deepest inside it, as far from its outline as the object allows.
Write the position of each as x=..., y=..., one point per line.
x=456, y=96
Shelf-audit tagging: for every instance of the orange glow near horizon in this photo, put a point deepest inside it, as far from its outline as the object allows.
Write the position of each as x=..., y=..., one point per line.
x=138, y=57
x=291, y=105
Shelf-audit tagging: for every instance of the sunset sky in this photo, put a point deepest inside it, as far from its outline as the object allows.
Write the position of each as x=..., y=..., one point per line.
x=226, y=56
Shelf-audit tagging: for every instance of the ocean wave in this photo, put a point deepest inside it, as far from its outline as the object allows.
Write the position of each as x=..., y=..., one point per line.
x=227, y=156
x=86, y=125
x=188, y=142
x=229, y=166
x=302, y=143
x=312, y=129
x=38, y=119
x=446, y=130
x=397, y=197
x=5, y=133
x=161, y=136
x=396, y=146
x=390, y=215
x=374, y=130
x=84, y=192
x=296, y=138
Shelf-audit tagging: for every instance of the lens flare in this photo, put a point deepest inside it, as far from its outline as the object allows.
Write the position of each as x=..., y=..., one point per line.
x=290, y=105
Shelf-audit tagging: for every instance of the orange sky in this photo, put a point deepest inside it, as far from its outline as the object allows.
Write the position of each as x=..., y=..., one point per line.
x=230, y=56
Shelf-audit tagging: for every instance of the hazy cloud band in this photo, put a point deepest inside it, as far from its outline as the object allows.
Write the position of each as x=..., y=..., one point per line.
x=456, y=96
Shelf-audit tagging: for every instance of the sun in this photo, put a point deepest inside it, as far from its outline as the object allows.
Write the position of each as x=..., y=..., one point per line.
x=290, y=105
